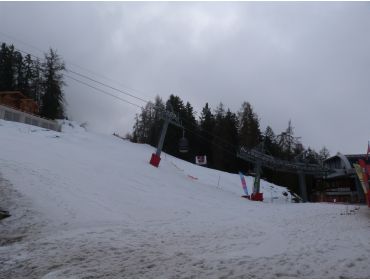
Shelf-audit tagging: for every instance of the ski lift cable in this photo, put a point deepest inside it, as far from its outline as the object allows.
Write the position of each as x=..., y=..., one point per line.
x=209, y=133
x=91, y=79
x=131, y=95
x=86, y=84
x=69, y=63
x=82, y=75
x=106, y=85
x=213, y=143
x=105, y=92
x=114, y=96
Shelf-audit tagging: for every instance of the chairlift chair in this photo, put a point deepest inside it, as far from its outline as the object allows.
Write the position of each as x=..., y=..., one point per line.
x=183, y=143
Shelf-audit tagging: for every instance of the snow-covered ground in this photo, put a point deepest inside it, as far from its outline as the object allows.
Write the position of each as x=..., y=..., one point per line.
x=89, y=205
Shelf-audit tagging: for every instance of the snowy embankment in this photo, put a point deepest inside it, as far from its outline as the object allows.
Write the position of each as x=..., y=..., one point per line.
x=90, y=205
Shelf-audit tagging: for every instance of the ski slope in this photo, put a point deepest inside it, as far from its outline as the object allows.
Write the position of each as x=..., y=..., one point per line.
x=90, y=205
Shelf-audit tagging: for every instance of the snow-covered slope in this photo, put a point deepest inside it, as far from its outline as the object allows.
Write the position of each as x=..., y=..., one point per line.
x=90, y=205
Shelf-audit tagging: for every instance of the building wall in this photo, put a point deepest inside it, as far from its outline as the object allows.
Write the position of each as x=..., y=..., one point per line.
x=29, y=106
x=17, y=100
x=343, y=184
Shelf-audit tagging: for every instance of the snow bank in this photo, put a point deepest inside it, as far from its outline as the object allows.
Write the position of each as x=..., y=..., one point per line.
x=89, y=205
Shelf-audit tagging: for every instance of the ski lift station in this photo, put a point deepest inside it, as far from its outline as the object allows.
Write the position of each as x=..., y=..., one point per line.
x=345, y=183
x=341, y=178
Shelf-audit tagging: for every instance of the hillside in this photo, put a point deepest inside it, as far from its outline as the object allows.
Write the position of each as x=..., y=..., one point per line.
x=90, y=205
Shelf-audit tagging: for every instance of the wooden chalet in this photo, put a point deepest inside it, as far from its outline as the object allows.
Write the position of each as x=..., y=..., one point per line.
x=19, y=101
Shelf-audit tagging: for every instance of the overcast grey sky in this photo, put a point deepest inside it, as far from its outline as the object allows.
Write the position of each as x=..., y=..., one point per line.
x=304, y=61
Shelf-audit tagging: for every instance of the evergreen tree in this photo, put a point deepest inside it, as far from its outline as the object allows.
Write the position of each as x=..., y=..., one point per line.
x=7, y=68
x=218, y=131
x=191, y=132
x=206, y=127
x=22, y=73
x=323, y=154
x=144, y=123
x=231, y=136
x=174, y=133
x=189, y=119
x=249, y=128
x=19, y=71
x=53, y=98
x=135, y=130
x=298, y=149
x=289, y=145
x=311, y=156
x=225, y=140
x=157, y=122
x=28, y=77
x=36, y=83
x=270, y=145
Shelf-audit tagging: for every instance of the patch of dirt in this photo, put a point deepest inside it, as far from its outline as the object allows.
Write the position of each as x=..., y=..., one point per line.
x=4, y=214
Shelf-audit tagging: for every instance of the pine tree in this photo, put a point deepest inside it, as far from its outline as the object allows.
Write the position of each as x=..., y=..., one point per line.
x=269, y=140
x=311, y=156
x=249, y=128
x=19, y=71
x=28, y=77
x=323, y=154
x=191, y=132
x=144, y=123
x=53, y=98
x=225, y=140
x=174, y=133
x=206, y=127
x=7, y=68
x=157, y=122
x=36, y=83
x=231, y=136
x=289, y=145
x=218, y=131
x=135, y=130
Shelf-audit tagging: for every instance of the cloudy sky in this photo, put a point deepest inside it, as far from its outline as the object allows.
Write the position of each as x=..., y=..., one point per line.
x=308, y=62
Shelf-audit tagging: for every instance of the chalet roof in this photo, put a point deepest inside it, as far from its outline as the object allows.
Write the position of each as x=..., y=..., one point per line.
x=356, y=156
x=16, y=93
x=350, y=156
x=10, y=92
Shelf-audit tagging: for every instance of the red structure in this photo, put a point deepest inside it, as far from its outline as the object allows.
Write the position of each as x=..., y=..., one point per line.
x=155, y=159
x=257, y=196
x=254, y=197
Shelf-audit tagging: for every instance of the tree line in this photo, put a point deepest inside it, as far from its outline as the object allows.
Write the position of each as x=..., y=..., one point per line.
x=40, y=80
x=219, y=133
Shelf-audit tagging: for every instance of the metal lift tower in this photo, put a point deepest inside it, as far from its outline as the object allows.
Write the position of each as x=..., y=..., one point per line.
x=260, y=159
x=168, y=117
